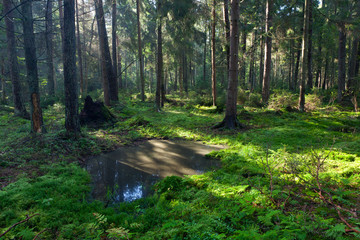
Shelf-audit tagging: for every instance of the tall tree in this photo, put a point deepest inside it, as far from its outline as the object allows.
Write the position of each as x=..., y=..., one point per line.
x=304, y=50
x=159, y=74
x=309, y=84
x=142, y=80
x=13, y=62
x=114, y=38
x=227, y=31
x=72, y=123
x=213, y=59
x=108, y=77
x=342, y=61
x=37, y=125
x=49, y=48
x=230, y=120
x=267, y=59
x=79, y=50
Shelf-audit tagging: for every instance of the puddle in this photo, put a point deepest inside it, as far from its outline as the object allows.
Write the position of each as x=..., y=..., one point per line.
x=128, y=173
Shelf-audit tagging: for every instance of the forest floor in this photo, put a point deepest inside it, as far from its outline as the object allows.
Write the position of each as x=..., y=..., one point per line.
x=288, y=175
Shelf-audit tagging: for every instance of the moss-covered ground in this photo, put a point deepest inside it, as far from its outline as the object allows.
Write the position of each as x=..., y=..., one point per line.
x=288, y=175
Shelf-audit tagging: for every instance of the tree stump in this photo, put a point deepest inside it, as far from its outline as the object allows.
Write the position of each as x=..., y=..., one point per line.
x=95, y=113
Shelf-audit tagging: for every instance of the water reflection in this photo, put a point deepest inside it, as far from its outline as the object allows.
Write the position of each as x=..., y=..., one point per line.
x=128, y=173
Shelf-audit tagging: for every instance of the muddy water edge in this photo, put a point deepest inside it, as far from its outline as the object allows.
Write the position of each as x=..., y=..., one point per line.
x=128, y=173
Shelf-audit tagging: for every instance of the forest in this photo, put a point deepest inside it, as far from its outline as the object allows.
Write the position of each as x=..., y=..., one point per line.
x=269, y=88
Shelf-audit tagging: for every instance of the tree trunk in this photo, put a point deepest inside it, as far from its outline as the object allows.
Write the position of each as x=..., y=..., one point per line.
x=119, y=63
x=230, y=120
x=309, y=53
x=49, y=48
x=109, y=79
x=304, y=49
x=243, y=52
x=114, y=38
x=352, y=64
x=85, y=83
x=267, y=59
x=227, y=32
x=19, y=107
x=252, y=62
x=159, y=74
x=261, y=65
x=72, y=123
x=79, y=48
x=342, y=62
x=213, y=60
x=61, y=21
x=297, y=65
x=185, y=74
x=3, y=84
x=142, y=81
x=204, y=63
x=31, y=67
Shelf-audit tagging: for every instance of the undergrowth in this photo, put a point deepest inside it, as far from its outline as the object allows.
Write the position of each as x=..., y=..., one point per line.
x=290, y=175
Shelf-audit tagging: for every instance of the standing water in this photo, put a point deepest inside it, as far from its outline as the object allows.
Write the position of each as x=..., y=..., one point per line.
x=129, y=172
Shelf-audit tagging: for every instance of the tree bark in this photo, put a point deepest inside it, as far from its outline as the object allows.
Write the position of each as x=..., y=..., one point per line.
x=230, y=120
x=243, y=53
x=119, y=63
x=142, y=81
x=304, y=50
x=72, y=123
x=267, y=59
x=352, y=65
x=159, y=74
x=309, y=53
x=227, y=32
x=114, y=38
x=213, y=59
x=31, y=67
x=49, y=48
x=19, y=107
x=79, y=49
x=342, y=62
x=109, y=79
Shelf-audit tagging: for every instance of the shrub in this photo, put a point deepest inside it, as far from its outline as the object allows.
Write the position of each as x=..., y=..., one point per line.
x=242, y=96
x=312, y=102
x=255, y=100
x=282, y=100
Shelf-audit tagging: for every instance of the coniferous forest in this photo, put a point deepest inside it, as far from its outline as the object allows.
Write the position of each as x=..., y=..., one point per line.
x=179, y=119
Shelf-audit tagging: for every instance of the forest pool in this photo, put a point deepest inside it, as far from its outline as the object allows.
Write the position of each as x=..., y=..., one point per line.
x=128, y=173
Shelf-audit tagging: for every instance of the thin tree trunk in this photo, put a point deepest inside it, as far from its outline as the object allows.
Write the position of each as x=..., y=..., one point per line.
x=114, y=38
x=79, y=48
x=227, y=32
x=342, y=62
x=304, y=49
x=309, y=84
x=49, y=48
x=252, y=62
x=119, y=63
x=352, y=64
x=159, y=74
x=142, y=81
x=109, y=79
x=3, y=84
x=85, y=84
x=204, y=64
x=61, y=21
x=267, y=59
x=31, y=67
x=185, y=74
x=261, y=65
x=72, y=123
x=19, y=107
x=243, y=53
x=297, y=65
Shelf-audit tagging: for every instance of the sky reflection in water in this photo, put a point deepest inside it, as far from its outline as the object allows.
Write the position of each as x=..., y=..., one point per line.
x=128, y=173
